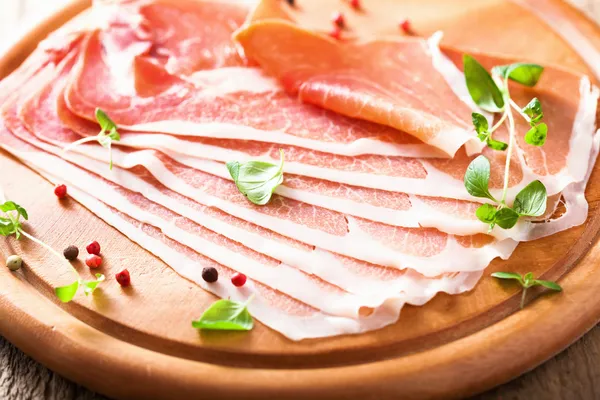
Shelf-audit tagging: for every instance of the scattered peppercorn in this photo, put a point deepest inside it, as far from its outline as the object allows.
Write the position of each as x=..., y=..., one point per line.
x=210, y=274
x=123, y=278
x=405, y=26
x=71, y=253
x=93, y=261
x=336, y=33
x=355, y=4
x=14, y=263
x=238, y=279
x=338, y=19
x=60, y=191
x=292, y=3
x=93, y=248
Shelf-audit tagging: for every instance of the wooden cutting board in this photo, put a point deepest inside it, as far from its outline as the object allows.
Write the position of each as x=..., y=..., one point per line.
x=138, y=342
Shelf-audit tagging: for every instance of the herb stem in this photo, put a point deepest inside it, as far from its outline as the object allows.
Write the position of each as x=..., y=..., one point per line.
x=523, y=297
x=518, y=109
x=502, y=119
x=80, y=141
x=511, y=140
x=44, y=245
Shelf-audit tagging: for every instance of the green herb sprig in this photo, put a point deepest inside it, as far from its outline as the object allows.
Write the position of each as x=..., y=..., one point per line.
x=228, y=315
x=257, y=180
x=491, y=93
x=11, y=223
x=107, y=135
x=527, y=281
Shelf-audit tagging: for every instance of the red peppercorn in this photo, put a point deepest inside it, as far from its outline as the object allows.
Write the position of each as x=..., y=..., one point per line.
x=238, y=279
x=355, y=4
x=338, y=19
x=405, y=26
x=60, y=191
x=336, y=33
x=124, y=278
x=93, y=248
x=93, y=261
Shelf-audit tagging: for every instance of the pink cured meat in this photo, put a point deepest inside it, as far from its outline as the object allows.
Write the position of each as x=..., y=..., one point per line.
x=556, y=165
x=419, y=249
x=291, y=122
x=350, y=274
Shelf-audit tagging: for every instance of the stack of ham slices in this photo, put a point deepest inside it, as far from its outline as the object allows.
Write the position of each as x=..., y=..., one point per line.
x=372, y=214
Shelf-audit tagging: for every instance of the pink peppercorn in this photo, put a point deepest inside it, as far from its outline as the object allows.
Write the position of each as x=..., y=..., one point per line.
x=60, y=191
x=405, y=26
x=336, y=33
x=238, y=279
x=93, y=261
x=355, y=4
x=338, y=19
x=123, y=278
x=93, y=248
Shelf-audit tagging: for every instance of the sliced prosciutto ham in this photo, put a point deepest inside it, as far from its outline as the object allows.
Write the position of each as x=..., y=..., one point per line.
x=368, y=218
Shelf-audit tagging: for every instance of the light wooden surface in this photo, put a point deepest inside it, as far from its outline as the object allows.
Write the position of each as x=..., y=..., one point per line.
x=22, y=378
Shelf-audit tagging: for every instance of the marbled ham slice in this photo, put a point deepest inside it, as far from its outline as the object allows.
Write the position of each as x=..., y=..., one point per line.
x=350, y=274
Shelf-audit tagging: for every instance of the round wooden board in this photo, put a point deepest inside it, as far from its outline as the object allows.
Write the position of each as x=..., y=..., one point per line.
x=138, y=342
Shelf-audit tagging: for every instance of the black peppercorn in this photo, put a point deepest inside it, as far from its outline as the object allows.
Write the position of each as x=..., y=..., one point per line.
x=291, y=2
x=71, y=253
x=210, y=274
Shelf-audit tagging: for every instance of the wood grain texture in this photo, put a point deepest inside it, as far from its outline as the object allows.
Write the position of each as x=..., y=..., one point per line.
x=549, y=384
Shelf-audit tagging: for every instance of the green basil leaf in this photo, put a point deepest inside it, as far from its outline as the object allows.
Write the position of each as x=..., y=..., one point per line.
x=12, y=206
x=257, y=180
x=536, y=136
x=525, y=74
x=548, y=284
x=533, y=110
x=531, y=201
x=67, y=293
x=496, y=144
x=90, y=286
x=106, y=124
x=508, y=275
x=481, y=86
x=477, y=178
x=480, y=123
x=486, y=213
x=225, y=315
x=506, y=218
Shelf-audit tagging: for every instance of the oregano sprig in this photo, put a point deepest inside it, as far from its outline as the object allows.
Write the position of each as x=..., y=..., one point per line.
x=11, y=224
x=107, y=135
x=491, y=93
x=527, y=281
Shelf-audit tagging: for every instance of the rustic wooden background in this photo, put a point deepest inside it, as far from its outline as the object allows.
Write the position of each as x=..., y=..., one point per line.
x=573, y=374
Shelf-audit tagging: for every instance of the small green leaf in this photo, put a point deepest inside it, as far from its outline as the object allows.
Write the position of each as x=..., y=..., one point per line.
x=225, y=315
x=531, y=201
x=496, y=144
x=114, y=135
x=486, y=213
x=536, y=136
x=257, y=180
x=90, y=286
x=12, y=206
x=67, y=293
x=523, y=73
x=477, y=178
x=106, y=124
x=506, y=218
x=533, y=110
x=508, y=275
x=481, y=124
x=528, y=279
x=7, y=227
x=482, y=88
x=548, y=284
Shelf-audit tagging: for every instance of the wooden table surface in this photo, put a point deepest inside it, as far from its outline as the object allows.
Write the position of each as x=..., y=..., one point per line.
x=573, y=374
